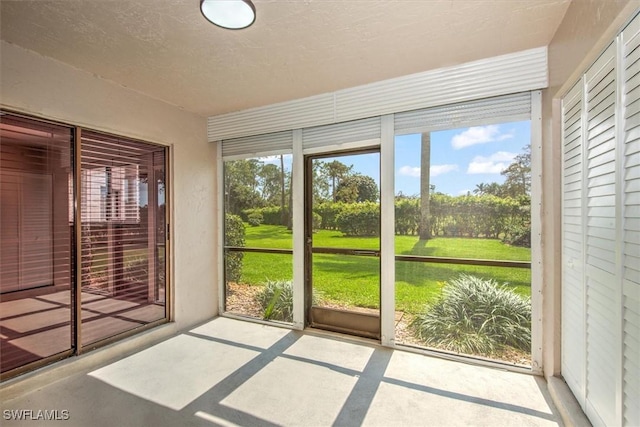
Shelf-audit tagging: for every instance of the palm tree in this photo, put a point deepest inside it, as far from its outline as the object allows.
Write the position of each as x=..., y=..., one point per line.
x=336, y=171
x=480, y=189
x=425, y=164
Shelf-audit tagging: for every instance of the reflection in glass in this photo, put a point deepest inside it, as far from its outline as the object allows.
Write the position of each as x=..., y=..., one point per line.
x=123, y=235
x=36, y=202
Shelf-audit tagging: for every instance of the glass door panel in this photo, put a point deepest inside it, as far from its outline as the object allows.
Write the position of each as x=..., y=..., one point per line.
x=123, y=193
x=343, y=242
x=36, y=230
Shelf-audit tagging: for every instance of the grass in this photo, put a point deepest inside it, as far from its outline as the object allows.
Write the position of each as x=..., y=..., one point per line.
x=355, y=280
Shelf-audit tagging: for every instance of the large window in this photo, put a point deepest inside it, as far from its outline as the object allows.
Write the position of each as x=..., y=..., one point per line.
x=414, y=228
x=463, y=241
x=258, y=237
x=68, y=283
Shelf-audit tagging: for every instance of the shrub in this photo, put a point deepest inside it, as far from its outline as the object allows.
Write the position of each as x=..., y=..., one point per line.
x=317, y=221
x=328, y=212
x=271, y=215
x=407, y=215
x=518, y=235
x=276, y=300
x=233, y=236
x=255, y=218
x=359, y=219
x=476, y=316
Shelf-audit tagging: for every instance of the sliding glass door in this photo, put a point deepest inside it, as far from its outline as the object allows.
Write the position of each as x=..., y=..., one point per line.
x=123, y=196
x=83, y=239
x=36, y=235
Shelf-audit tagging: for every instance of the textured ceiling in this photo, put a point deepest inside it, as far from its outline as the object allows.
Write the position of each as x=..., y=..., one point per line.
x=296, y=48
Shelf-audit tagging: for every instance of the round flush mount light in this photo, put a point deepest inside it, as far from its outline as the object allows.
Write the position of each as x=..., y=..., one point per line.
x=229, y=14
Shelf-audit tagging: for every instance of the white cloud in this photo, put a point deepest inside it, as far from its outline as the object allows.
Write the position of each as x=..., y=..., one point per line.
x=409, y=171
x=435, y=170
x=495, y=163
x=441, y=169
x=464, y=192
x=479, y=135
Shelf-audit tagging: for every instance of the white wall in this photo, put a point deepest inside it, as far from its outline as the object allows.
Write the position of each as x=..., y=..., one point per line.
x=37, y=85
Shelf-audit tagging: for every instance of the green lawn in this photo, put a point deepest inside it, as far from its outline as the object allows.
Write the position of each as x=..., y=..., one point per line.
x=355, y=280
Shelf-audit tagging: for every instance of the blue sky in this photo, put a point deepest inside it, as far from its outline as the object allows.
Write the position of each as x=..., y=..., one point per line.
x=460, y=158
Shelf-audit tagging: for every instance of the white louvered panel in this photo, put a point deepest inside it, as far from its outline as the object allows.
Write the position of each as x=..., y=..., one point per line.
x=601, y=91
x=573, y=244
x=631, y=225
x=633, y=122
x=520, y=72
x=255, y=146
x=573, y=170
x=604, y=211
x=601, y=244
x=572, y=156
x=573, y=316
x=288, y=115
x=601, y=339
x=501, y=109
x=572, y=186
x=513, y=73
x=573, y=215
x=631, y=351
x=342, y=133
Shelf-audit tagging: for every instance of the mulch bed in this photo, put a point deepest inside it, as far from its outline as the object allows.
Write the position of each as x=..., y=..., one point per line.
x=241, y=300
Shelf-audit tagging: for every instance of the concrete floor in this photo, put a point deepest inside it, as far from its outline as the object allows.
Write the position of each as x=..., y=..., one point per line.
x=229, y=372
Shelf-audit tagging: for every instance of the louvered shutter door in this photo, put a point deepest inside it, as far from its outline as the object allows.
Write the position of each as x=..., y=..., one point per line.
x=341, y=135
x=631, y=221
x=608, y=231
x=488, y=111
x=601, y=239
x=573, y=330
x=258, y=145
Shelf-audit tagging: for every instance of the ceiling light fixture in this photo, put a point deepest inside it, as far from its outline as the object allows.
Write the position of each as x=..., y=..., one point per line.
x=229, y=14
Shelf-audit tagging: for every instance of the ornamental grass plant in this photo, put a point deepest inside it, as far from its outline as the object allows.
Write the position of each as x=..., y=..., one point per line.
x=476, y=316
x=276, y=300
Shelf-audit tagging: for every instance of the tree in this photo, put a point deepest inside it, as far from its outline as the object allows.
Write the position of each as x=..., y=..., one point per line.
x=493, y=189
x=481, y=189
x=336, y=171
x=241, y=185
x=282, y=176
x=269, y=178
x=357, y=188
x=320, y=183
x=425, y=162
x=518, y=175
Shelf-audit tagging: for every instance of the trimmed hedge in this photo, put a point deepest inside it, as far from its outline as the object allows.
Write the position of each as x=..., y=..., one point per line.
x=359, y=219
x=271, y=215
x=463, y=216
